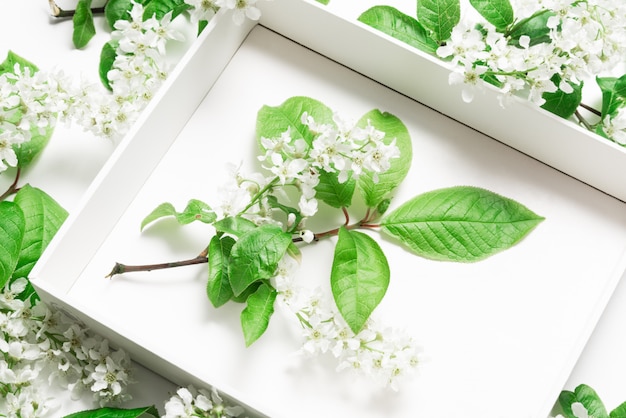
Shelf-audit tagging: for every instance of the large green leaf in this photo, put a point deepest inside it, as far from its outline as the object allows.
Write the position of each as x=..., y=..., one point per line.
x=109, y=412
x=399, y=25
x=218, y=286
x=43, y=217
x=460, y=223
x=84, y=28
x=12, y=226
x=619, y=412
x=195, y=210
x=273, y=121
x=560, y=103
x=587, y=397
x=255, y=256
x=497, y=12
x=26, y=152
x=359, y=277
x=334, y=193
x=116, y=10
x=256, y=315
x=375, y=192
x=439, y=17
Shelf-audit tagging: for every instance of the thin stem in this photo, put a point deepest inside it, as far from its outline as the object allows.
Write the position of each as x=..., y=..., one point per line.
x=346, y=215
x=120, y=268
x=260, y=193
x=591, y=109
x=13, y=187
x=56, y=11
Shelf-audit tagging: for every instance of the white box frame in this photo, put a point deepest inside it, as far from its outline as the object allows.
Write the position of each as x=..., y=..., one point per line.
x=53, y=276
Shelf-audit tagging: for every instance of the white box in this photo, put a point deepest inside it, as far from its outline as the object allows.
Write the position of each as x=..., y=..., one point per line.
x=501, y=333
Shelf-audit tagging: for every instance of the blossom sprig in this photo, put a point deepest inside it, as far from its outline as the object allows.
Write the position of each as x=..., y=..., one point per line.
x=543, y=51
x=43, y=348
x=189, y=402
x=312, y=156
x=384, y=354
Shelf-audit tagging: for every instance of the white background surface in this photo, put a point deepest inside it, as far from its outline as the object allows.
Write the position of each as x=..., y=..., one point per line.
x=73, y=159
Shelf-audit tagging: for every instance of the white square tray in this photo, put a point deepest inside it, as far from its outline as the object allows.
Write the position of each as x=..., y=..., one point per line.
x=502, y=333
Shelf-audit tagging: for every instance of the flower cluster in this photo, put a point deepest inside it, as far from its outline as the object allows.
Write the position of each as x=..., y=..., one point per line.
x=191, y=402
x=341, y=148
x=384, y=354
x=586, y=38
x=206, y=9
x=41, y=348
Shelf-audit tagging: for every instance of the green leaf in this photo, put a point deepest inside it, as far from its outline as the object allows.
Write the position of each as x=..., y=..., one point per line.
x=334, y=193
x=115, y=10
x=26, y=152
x=401, y=26
x=560, y=103
x=619, y=412
x=273, y=121
x=8, y=65
x=324, y=2
x=497, y=12
x=218, y=286
x=256, y=315
x=108, y=412
x=460, y=223
x=107, y=59
x=587, y=397
x=255, y=256
x=235, y=225
x=43, y=217
x=375, y=192
x=160, y=8
x=613, y=93
x=12, y=226
x=84, y=28
x=439, y=17
x=534, y=26
x=359, y=277
x=194, y=211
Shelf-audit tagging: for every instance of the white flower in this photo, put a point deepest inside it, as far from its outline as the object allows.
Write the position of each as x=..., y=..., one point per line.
x=242, y=9
x=202, y=9
x=470, y=78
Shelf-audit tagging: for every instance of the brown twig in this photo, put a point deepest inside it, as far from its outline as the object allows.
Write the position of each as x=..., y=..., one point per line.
x=12, y=188
x=120, y=268
x=56, y=11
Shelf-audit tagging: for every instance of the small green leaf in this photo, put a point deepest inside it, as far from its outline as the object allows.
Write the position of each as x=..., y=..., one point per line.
x=359, y=277
x=612, y=94
x=12, y=226
x=43, y=217
x=107, y=59
x=439, y=17
x=587, y=397
x=8, y=65
x=159, y=8
x=534, y=26
x=324, y=2
x=255, y=256
x=235, y=225
x=218, y=286
x=26, y=152
x=194, y=211
x=560, y=103
x=401, y=26
x=460, y=223
x=497, y=12
x=273, y=121
x=115, y=10
x=334, y=193
x=84, y=28
x=375, y=192
x=256, y=315
x=108, y=412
